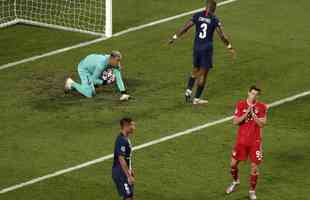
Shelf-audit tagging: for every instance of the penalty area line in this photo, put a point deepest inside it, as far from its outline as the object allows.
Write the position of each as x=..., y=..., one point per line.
x=142, y=146
x=91, y=42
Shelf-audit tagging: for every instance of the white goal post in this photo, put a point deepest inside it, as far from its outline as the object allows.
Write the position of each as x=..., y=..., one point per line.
x=85, y=16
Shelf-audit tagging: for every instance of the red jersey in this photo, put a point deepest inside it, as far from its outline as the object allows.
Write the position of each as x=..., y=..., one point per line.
x=249, y=132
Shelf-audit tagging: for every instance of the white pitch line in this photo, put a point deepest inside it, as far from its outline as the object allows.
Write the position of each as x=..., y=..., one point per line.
x=84, y=44
x=142, y=146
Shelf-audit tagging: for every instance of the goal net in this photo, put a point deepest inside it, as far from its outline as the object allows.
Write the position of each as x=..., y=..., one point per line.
x=86, y=16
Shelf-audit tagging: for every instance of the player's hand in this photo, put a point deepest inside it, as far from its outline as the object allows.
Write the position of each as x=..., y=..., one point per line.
x=131, y=180
x=233, y=53
x=173, y=39
x=249, y=110
x=132, y=173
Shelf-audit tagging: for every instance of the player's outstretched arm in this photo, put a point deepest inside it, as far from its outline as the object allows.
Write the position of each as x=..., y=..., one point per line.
x=182, y=31
x=225, y=40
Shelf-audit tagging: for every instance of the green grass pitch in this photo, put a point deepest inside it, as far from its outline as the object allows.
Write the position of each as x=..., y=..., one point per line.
x=42, y=130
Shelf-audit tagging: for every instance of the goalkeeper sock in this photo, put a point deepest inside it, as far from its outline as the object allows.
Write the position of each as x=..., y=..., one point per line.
x=191, y=82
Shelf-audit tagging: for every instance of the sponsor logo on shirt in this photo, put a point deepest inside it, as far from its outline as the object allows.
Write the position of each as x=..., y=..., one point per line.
x=207, y=20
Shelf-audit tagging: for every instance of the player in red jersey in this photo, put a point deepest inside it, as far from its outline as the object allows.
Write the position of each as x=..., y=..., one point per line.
x=251, y=117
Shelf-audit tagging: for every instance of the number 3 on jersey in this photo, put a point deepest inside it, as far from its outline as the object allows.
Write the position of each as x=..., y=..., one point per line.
x=203, y=32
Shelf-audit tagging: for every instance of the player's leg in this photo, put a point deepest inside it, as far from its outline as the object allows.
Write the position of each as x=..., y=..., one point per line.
x=125, y=190
x=256, y=157
x=253, y=181
x=234, y=171
x=205, y=63
x=239, y=153
x=191, y=83
x=86, y=87
x=193, y=76
x=203, y=74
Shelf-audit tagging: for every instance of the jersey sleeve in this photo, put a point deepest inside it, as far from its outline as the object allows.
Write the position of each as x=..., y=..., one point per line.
x=238, y=110
x=194, y=19
x=119, y=80
x=98, y=73
x=121, y=147
x=218, y=22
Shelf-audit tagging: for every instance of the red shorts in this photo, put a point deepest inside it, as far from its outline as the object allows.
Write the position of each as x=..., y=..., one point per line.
x=242, y=152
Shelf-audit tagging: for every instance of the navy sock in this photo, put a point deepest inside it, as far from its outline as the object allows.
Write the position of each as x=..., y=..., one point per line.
x=191, y=82
x=199, y=91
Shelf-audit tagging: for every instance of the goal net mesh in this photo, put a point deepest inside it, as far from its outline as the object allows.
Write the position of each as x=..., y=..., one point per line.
x=88, y=15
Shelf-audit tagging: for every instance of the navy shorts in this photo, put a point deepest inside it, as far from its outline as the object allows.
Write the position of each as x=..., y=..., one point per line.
x=120, y=179
x=203, y=58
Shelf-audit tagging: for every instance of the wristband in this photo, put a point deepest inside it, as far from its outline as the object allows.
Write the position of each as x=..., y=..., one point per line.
x=229, y=46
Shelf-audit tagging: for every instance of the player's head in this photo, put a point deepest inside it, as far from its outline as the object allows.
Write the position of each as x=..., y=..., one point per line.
x=253, y=93
x=211, y=6
x=115, y=58
x=127, y=125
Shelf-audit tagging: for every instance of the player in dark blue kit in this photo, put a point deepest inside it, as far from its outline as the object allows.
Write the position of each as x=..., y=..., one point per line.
x=122, y=172
x=206, y=23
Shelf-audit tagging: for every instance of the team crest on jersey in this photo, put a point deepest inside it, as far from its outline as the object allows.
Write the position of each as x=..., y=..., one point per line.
x=207, y=20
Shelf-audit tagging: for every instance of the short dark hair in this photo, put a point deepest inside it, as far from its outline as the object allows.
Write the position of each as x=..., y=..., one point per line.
x=254, y=87
x=124, y=121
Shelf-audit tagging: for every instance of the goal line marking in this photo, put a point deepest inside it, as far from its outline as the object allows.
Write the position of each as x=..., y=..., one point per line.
x=142, y=146
x=84, y=44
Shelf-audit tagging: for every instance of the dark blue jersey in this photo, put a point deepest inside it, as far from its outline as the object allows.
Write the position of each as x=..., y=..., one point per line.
x=205, y=27
x=122, y=148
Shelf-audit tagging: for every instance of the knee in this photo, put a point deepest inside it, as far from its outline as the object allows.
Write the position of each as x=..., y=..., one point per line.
x=233, y=163
x=195, y=72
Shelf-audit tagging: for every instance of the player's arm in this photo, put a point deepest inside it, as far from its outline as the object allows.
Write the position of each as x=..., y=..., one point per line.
x=125, y=169
x=260, y=121
x=220, y=31
x=97, y=76
x=239, y=119
x=182, y=31
x=119, y=80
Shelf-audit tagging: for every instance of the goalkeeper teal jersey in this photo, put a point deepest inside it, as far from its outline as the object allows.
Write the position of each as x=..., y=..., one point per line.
x=95, y=64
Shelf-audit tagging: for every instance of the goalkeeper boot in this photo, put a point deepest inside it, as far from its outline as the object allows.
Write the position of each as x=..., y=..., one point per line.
x=188, y=96
x=232, y=187
x=68, y=85
x=125, y=97
x=197, y=101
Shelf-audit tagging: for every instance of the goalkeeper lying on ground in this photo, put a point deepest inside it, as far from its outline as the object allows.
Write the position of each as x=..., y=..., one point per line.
x=96, y=70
